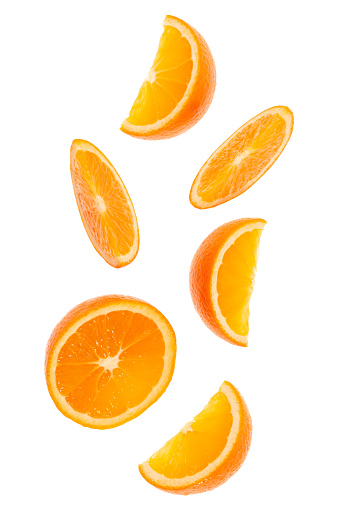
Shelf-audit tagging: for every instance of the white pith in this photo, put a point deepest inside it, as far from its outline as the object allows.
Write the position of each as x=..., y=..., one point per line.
x=100, y=204
x=282, y=112
x=189, y=35
x=220, y=318
x=151, y=75
x=122, y=259
x=110, y=363
x=166, y=482
x=187, y=427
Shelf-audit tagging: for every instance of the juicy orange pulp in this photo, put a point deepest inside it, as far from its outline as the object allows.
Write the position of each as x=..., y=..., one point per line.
x=198, y=444
x=109, y=359
x=167, y=79
x=179, y=87
x=222, y=277
x=110, y=364
x=243, y=158
x=104, y=204
x=207, y=451
x=235, y=280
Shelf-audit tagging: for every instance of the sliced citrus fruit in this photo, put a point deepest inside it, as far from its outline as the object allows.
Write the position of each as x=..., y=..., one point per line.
x=222, y=276
x=106, y=209
x=207, y=451
x=108, y=360
x=243, y=158
x=179, y=87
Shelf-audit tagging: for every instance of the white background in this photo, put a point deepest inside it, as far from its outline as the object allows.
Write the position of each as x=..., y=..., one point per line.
x=71, y=69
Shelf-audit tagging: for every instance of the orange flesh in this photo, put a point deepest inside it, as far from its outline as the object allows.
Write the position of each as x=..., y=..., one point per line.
x=198, y=444
x=104, y=206
x=167, y=80
x=243, y=158
x=110, y=364
x=235, y=280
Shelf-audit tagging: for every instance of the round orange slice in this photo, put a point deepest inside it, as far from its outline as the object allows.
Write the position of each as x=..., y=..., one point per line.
x=106, y=209
x=108, y=360
x=207, y=451
x=222, y=276
x=179, y=87
x=243, y=158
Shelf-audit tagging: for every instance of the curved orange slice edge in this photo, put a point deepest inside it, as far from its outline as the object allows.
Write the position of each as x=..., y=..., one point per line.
x=207, y=451
x=243, y=158
x=222, y=276
x=179, y=87
x=108, y=360
x=106, y=209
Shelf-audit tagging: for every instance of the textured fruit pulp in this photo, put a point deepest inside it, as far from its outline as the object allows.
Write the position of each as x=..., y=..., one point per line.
x=198, y=444
x=236, y=278
x=243, y=158
x=104, y=205
x=110, y=364
x=167, y=79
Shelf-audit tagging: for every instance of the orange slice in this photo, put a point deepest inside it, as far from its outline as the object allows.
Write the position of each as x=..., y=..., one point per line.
x=222, y=276
x=179, y=87
x=106, y=209
x=108, y=360
x=243, y=158
x=207, y=451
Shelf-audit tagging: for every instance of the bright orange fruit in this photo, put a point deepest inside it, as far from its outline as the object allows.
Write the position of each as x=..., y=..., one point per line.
x=108, y=360
x=222, y=276
x=207, y=451
x=106, y=209
x=179, y=87
x=243, y=158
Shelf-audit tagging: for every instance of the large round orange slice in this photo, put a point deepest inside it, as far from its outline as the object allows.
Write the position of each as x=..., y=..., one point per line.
x=106, y=209
x=179, y=87
x=243, y=158
x=207, y=451
x=108, y=360
x=222, y=276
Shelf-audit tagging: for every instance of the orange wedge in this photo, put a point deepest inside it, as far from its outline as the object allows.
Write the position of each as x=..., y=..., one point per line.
x=106, y=209
x=222, y=276
x=179, y=87
x=108, y=360
x=243, y=158
x=207, y=451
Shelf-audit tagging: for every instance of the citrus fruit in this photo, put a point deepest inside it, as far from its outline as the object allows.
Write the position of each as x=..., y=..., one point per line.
x=222, y=276
x=104, y=204
x=243, y=158
x=207, y=451
x=108, y=360
x=179, y=87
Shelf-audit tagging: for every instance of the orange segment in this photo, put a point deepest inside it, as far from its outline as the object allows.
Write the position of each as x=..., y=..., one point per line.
x=222, y=277
x=179, y=87
x=215, y=423
x=207, y=451
x=167, y=79
x=108, y=360
x=106, y=209
x=235, y=280
x=243, y=158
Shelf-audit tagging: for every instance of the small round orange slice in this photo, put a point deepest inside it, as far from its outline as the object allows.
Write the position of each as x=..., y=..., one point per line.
x=106, y=209
x=243, y=158
x=207, y=451
x=108, y=360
